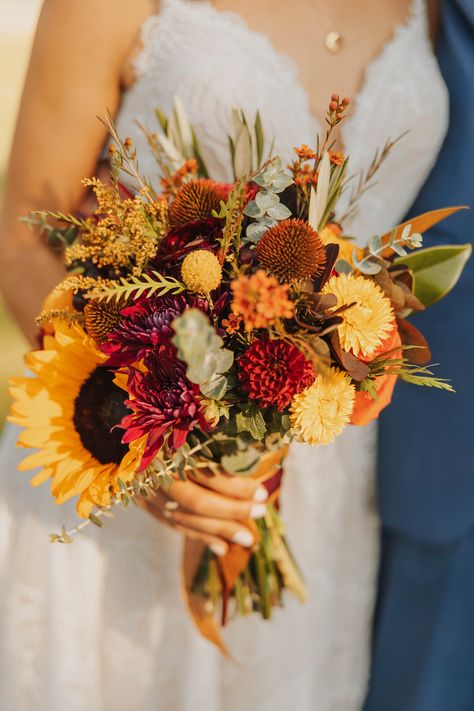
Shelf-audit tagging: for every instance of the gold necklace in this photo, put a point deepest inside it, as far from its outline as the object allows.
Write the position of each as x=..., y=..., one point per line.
x=333, y=39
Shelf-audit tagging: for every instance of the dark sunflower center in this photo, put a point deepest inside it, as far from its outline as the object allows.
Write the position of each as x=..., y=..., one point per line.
x=99, y=407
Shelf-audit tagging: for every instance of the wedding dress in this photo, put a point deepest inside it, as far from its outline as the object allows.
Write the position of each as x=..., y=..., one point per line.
x=100, y=624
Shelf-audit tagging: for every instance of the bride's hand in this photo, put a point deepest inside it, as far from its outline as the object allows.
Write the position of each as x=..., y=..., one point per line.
x=210, y=508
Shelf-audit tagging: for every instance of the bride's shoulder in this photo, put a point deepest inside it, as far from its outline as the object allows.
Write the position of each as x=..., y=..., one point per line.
x=108, y=28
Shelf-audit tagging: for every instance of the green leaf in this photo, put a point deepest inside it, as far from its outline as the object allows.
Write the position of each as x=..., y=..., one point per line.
x=242, y=463
x=251, y=420
x=436, y=270
x=259, y=137
x=202, y=350
x=95, y=520
x=215, y=388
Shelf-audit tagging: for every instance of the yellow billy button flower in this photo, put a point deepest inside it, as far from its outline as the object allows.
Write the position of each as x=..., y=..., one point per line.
x=320, y=413
x=201, y=271
x=367, y=324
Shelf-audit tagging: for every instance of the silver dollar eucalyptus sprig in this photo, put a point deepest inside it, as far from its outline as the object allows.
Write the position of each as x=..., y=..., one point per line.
x=266, y=210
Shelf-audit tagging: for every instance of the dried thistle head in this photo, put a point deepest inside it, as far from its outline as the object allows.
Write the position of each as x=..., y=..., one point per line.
x=292, y=251
x=195, y=200
x=101, y=317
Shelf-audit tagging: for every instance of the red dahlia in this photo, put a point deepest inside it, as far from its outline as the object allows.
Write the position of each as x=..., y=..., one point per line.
x=273, y=372
x=164, y=404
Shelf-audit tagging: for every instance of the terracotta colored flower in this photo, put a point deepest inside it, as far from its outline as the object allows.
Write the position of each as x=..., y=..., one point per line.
x=195, y=200
x=336, y=157
x=273, y=372
x=260, y=300
x=291, y=250
x=146, y=325
x=232, y=324
x=304, y=152
x=320, y=413
x=367, y=324
x=164, y=404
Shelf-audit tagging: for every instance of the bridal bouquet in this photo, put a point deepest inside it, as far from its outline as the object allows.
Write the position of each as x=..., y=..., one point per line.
x=204, y=326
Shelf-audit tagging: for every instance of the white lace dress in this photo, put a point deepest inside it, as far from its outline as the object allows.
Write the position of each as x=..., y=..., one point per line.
x=100, y=625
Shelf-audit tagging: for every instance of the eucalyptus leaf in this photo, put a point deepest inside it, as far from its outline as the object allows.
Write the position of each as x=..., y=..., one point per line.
x=436, y=270
x=216, y=387
x=375, y=245
x=343, y=267
x=279, y=212
x=281, y=182
x=253, y=210
x=243, y=463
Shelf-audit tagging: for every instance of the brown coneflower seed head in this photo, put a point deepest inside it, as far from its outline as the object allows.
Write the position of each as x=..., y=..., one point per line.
x=291, y=250
x=195, y=200
x=100, y=318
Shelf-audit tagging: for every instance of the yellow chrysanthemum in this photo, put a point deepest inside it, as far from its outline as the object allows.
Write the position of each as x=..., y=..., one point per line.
x=367, y=324
x=68, y=410
x=201, y=271
x=320, y=413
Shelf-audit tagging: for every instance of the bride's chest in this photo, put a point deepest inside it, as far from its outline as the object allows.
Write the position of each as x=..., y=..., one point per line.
x=213, y=61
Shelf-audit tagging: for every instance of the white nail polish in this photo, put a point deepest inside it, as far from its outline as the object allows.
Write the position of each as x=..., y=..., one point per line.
x=261, y=494
x=243, y=538
x=218, y=549
x=258, y=511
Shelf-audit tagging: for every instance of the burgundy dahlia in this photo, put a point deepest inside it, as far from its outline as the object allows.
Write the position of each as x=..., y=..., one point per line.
x=199, y=234
x=145, y=325
x=273, y=372
x=164, y=404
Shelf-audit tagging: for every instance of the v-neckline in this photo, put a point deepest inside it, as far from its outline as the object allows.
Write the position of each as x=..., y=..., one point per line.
x=286, y=59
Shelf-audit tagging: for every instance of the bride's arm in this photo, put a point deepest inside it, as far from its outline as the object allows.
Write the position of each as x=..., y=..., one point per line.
x=78, y=56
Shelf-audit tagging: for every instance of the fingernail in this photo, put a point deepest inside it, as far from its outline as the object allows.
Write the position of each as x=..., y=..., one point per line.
x=258, y=511
x=261, y=494
x=218, y=549
x=243, y=538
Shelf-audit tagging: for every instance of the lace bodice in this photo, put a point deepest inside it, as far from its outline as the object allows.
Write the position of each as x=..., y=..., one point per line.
x=213, y=61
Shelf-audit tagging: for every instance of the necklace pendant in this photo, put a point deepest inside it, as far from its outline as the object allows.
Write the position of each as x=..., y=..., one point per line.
x=333, y=41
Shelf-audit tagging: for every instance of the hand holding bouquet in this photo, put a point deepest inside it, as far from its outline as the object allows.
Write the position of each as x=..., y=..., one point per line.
x=204, y=328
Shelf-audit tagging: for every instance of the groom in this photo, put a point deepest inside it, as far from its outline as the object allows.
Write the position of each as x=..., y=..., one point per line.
x=424, y=628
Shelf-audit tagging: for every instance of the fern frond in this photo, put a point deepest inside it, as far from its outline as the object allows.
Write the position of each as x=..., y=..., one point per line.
x=148, y=284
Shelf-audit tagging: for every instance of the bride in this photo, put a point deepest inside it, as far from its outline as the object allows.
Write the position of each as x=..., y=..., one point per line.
x=100, y=624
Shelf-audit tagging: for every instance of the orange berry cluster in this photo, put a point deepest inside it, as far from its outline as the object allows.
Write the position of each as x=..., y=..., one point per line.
x=337, y=107
x=189, y=169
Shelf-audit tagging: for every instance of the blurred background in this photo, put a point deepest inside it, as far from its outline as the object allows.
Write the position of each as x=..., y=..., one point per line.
x=17, y=24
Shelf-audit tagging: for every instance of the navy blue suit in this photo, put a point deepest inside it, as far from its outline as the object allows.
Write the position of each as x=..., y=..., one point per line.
x=424, y=627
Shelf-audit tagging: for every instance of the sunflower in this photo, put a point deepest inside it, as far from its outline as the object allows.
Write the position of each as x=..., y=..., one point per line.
x=68, y=411
x=369, y=321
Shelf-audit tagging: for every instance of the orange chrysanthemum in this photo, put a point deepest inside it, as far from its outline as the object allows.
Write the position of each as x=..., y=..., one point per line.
x=291, y=250
x=260, y=300
x=195, y=200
